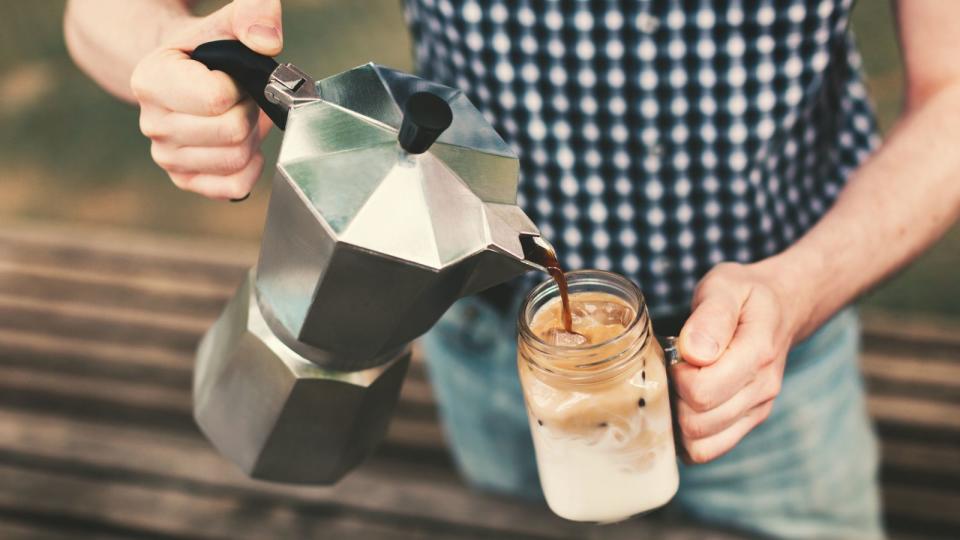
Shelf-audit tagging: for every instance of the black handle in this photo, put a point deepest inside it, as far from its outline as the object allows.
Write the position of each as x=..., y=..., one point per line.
x=425, y=116
x=251, y=70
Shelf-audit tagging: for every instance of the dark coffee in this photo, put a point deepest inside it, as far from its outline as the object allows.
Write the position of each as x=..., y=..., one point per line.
x=539, y=251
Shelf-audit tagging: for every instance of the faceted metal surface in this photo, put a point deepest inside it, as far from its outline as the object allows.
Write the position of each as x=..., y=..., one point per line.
x=366, y=246
x=357, y=302
x=277, y=414
x=342, y=153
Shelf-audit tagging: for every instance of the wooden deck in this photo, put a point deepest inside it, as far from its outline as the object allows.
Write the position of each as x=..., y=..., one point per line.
x=97, y=331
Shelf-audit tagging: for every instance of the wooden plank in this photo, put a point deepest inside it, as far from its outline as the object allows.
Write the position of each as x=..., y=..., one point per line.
x=909, y=370
x=106, y=315
x=160, y=406
x=71, y=354
x=79, y=257
x=934, y=506
x=28, y=529
x=170, y=512
x=911, y=327
x=415, y=434
x=121, y=381
x=130, y=295
x=131, y=332
x=907, y=345
x=928, y=377
x=53, y=526
x=928, y=392
x=191, y=249
x=153, y=512
x=184, y=470
x=144, y=395
x=106, y=276
x=929, y=414
x=144, y=509
x=68, y=355
x=933, y=459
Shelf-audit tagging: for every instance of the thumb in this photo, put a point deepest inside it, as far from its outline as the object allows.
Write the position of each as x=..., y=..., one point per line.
x=710, y=328
x=257, y=24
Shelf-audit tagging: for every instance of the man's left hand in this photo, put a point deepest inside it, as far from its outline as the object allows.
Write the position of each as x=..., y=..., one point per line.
x=735, y=345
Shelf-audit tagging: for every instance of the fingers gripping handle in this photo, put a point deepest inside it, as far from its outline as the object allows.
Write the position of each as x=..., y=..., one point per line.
x=249, y=69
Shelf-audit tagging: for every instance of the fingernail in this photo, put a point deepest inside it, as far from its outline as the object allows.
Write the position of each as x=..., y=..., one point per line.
x=266, y=37
x=703, y=346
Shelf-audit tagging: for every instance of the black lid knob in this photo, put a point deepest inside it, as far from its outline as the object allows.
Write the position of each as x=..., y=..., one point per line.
x=425, y=116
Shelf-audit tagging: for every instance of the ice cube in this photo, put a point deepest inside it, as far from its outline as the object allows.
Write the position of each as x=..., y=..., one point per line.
x=562, y=338
x=607, y=313
x=579, y=315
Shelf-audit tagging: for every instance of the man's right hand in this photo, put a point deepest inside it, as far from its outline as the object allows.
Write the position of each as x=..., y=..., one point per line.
x=206, y=133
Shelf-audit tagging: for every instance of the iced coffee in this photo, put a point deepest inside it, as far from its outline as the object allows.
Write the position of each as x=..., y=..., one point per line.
x=597, y=399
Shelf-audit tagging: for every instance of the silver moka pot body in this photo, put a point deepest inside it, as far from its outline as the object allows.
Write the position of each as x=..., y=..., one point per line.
x=393, y=197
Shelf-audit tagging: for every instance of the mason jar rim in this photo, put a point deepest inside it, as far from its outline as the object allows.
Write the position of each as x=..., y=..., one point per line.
x=550, y=288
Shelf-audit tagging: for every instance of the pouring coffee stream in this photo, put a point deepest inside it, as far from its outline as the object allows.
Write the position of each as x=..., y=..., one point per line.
x=541, y=252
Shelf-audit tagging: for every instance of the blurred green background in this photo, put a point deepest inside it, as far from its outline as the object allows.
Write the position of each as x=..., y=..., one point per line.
x=70, y=153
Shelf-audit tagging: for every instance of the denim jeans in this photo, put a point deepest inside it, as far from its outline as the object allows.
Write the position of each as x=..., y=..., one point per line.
x=809, y=471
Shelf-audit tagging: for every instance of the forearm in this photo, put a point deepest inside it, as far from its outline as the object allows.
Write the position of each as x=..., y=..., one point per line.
x=897, y=204
x=106, y=38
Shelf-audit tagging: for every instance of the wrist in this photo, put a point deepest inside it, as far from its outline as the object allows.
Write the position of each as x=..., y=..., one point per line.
x=795, y=276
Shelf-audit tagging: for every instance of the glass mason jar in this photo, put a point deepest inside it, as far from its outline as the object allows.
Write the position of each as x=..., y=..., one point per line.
x=599, y=414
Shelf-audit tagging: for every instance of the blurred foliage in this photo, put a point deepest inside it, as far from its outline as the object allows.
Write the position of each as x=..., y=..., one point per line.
x=69, y=152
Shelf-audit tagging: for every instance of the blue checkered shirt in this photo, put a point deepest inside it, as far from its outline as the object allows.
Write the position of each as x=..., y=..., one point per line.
x=658, y=138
